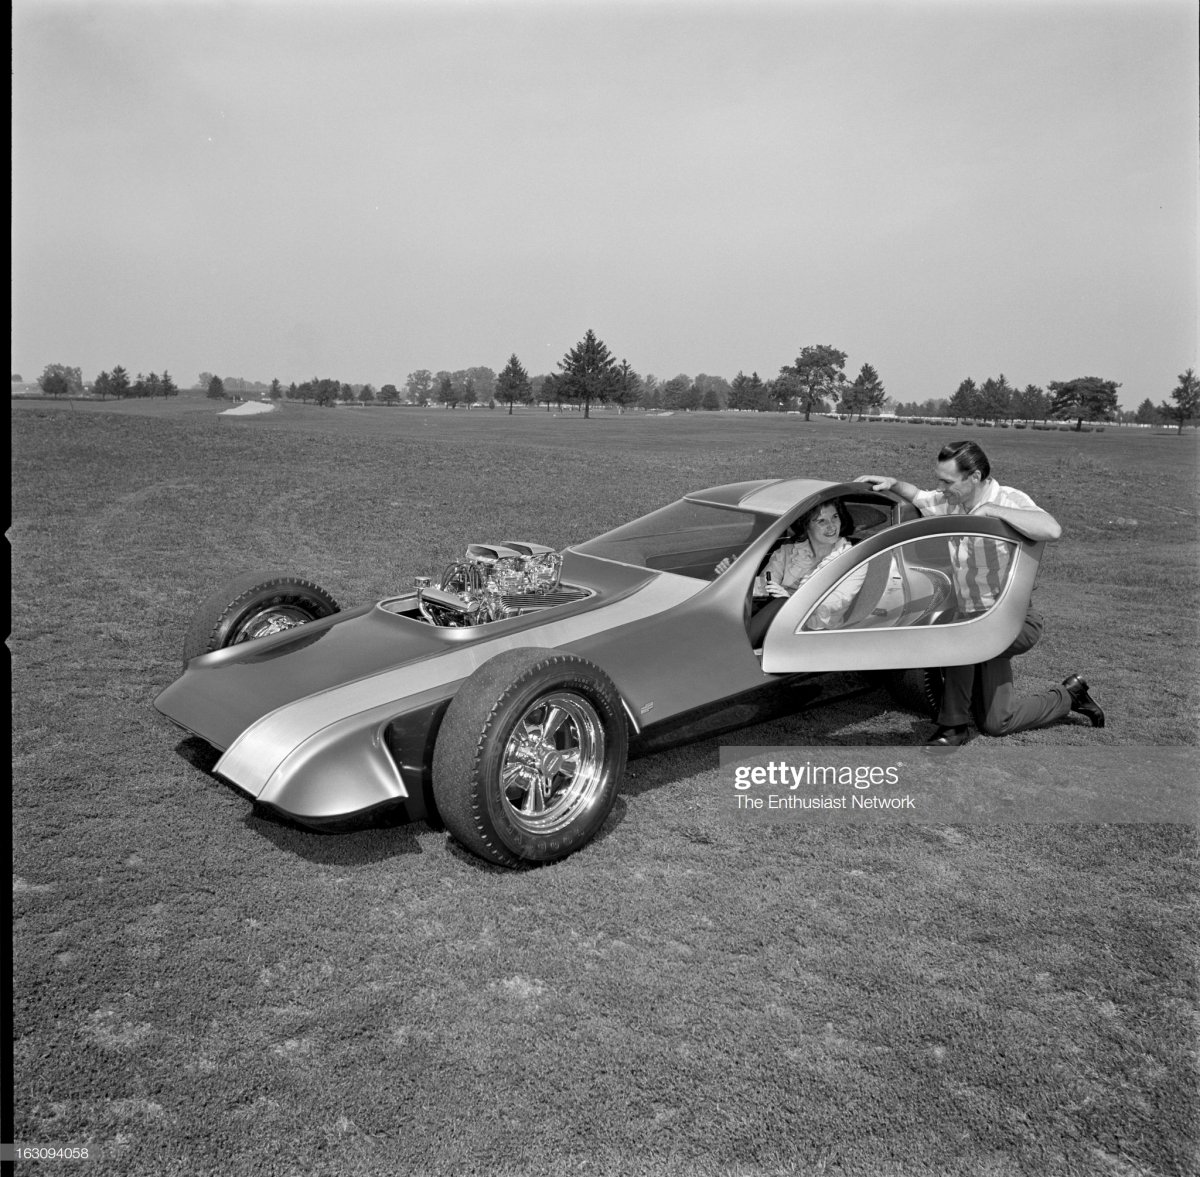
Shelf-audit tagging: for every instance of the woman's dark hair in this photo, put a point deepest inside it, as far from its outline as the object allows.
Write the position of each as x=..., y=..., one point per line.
x=845, y=522
x=968, y=457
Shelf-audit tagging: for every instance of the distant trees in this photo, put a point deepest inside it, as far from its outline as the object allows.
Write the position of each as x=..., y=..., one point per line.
x=1186, y=398
x=748, y=393
x=784, y=390
x=819, y=372
x=323, y=392
x=466, y=386
x=1031, y=403
x=995, y=399
x=712, y=391
x=546, y=391
x=680, y=394
x=1146, y=413
x=627, y=387
x=235, y=386
x=933, y=407
x=1086, y=398
x=482, y=383
x=588, y=372
x=445, y=393
x=117, y=384
x=865, y=395
x=60, y=380
x=965, y=400
x=513, y=384
x=114, y=384
x=419, y=386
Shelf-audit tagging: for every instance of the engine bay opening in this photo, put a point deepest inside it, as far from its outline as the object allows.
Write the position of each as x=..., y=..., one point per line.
x=493, y=582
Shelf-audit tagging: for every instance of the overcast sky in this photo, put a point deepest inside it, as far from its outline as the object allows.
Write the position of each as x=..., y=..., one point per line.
x=357, y=190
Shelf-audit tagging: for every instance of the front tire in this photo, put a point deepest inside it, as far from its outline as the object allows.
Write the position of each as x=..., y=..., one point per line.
x=529, y=757
x=254, y=605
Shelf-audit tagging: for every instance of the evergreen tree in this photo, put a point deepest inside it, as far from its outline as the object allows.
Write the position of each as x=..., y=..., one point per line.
x=995, y=399
x=512, y=385
x=216, y=388
x=627, y=388
x=1146, y=413
x=965, y=401
x=749, y=393
x=1030, y=403
x=869, y=391
x=588, y=372
x=118, y=382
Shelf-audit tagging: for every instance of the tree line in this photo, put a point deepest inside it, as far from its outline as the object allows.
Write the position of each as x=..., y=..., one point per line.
x=60, y=380
x=1086, y=398
x=589, y=374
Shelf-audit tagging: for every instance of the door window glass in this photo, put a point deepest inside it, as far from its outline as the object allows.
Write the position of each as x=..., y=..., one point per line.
x=930, y=581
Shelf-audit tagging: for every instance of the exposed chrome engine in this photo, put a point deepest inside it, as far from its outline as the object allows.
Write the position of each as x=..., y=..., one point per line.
x=494, y=581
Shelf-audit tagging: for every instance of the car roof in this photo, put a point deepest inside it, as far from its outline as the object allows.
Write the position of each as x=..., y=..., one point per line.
x=771, y=496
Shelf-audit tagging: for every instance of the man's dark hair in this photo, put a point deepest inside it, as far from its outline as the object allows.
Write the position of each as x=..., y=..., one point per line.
x=968, y=457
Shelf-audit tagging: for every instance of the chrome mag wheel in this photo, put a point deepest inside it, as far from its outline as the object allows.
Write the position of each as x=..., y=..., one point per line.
x=553, y=766
x=270, y=621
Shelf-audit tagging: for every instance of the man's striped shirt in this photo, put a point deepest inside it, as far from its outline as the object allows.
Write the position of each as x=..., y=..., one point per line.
x=981, y=564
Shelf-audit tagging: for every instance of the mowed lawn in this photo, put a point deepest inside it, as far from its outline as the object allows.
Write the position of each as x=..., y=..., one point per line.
x=201, y=988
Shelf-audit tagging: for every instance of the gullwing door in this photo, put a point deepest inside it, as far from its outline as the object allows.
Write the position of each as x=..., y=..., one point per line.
x=944, y=591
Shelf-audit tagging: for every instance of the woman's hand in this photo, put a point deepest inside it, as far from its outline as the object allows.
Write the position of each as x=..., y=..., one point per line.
x=768, y=588
x=723, y=565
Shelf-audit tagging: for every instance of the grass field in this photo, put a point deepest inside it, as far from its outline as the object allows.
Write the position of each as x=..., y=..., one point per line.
x=199, y=988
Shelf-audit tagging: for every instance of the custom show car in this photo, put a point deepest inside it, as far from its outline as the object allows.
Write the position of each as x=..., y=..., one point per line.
x=504, y=696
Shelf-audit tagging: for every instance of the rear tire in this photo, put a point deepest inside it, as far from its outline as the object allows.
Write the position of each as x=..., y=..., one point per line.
x=916, y=690
x=529, y=757
x=255, y=605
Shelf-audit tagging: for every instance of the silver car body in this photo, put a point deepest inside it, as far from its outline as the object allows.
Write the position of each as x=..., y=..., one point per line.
x=340, y=716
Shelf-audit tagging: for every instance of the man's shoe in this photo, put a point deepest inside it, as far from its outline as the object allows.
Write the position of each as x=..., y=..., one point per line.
x=949, y=737
x=1082, y=702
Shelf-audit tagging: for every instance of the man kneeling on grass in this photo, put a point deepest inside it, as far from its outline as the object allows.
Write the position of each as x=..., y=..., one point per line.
x=966, y=487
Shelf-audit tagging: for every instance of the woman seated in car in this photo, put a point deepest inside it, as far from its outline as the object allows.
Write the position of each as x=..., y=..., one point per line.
x=824, y=528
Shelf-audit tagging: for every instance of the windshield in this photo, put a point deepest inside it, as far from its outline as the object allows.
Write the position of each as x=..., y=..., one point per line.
x=686, y=538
